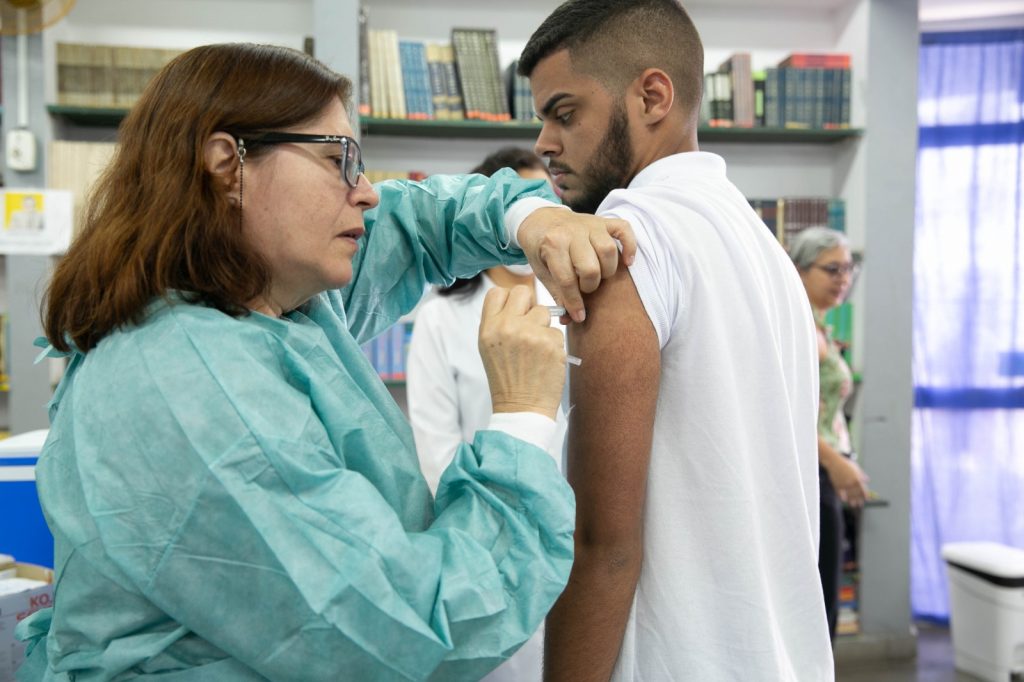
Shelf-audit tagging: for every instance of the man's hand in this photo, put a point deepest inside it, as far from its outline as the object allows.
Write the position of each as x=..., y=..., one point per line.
x=572, y=252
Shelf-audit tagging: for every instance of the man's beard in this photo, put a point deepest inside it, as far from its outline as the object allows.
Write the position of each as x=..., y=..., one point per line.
x=609, y=167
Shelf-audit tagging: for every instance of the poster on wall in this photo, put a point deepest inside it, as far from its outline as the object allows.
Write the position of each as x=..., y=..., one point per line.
x=35, y=221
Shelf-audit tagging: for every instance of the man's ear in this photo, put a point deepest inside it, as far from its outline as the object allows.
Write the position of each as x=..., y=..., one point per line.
x=655, y=88
x=220, y=157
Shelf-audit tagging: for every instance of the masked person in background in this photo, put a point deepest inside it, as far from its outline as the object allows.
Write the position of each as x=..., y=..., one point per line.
x=448, y=396
x=232, y=491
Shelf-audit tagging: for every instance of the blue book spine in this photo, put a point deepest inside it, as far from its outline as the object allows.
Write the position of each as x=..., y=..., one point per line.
x=772, y=99
x=396, y=336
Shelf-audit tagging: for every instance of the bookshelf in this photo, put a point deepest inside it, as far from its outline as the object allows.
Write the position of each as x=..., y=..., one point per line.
x=97, y=117
x=870, y=166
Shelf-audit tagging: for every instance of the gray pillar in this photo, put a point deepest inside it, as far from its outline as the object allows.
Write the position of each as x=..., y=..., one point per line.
x=26, y=275
x=30, y=383
x=336, y=42
x=885, y=418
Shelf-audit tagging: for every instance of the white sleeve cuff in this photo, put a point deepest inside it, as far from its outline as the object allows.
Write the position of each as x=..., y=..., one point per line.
x=519, y=211
x=535, y=429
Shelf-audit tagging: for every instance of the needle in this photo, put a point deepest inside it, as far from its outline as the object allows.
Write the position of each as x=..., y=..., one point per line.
x=558, y=311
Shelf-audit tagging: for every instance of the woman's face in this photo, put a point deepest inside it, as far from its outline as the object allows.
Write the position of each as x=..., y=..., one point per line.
x=828, y=279
x=302, y=216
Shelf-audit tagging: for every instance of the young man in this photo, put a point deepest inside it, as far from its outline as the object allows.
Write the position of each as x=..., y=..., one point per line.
x=692, y=446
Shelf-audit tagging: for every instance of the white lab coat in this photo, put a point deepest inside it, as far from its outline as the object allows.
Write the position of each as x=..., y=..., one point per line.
x=449, y=401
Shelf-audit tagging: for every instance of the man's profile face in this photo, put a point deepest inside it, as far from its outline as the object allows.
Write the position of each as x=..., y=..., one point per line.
x=585, y=134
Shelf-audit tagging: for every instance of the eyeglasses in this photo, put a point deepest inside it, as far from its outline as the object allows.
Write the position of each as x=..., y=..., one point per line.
x=837, y=270
x=350, y=160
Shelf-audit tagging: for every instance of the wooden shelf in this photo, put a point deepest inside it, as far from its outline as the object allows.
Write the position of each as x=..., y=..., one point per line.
x=778, y=135
x=530, y=129
x=462, y=129
x=89, y=116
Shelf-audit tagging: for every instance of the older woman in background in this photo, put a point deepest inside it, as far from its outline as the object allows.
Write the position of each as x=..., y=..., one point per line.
x=823, y=259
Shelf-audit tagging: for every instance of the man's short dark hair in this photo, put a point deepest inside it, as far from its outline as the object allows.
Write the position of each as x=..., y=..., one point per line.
x=515, y=158
x=613, y=41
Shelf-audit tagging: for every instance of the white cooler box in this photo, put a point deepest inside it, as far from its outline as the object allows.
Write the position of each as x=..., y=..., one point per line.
x=986, y=601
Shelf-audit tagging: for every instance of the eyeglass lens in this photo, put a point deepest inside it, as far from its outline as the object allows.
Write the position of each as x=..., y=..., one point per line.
x=836, y=269
x=353, y=166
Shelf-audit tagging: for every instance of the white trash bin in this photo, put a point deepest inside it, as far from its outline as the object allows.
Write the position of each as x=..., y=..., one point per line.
x=986, y=602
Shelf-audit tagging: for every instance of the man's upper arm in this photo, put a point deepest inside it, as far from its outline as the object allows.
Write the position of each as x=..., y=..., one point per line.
x=615, y=392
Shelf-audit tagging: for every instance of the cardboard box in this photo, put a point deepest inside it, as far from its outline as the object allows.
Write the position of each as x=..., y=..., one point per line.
x=14, y=607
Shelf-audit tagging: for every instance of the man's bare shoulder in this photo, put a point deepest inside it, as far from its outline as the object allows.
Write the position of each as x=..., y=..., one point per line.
x=616, y=318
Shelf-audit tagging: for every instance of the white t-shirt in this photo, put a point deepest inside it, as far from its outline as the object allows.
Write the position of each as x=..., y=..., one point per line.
x=729, y=588
x=449, y=401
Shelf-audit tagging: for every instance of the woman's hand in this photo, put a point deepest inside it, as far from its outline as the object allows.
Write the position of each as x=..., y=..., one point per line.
x=572, y=252
x=850, y=483
x=524, y=356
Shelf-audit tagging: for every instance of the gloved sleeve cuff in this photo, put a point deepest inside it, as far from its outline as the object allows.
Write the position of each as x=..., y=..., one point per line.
x=536, y=429
x=519, y=211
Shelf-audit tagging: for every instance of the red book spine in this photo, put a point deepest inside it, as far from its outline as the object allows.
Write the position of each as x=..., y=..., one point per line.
x=802, y=60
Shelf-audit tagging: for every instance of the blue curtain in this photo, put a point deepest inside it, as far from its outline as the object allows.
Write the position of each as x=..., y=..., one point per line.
x=968, y=454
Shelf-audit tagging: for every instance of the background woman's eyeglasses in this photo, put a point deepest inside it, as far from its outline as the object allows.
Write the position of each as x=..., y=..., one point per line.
x=351, y=155
x=837, y=270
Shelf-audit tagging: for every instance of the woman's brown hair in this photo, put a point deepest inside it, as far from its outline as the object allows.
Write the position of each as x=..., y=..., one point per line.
x=157, y=219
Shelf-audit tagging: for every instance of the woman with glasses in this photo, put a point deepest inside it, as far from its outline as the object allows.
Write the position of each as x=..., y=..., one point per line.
x=823, y=259
x=232, y=491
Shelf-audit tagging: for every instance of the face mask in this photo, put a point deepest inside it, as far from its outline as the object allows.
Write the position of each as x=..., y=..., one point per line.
x=519, y=270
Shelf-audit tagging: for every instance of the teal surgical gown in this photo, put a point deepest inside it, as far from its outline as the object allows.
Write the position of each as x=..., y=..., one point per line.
x=240, y=499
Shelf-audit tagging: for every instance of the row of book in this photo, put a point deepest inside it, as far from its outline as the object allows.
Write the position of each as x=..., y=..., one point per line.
x=463, y=79
x=520, y=95
x=75, y=166
x=809, y=91
x=848, y=622
x=388, y=352
x=105, y=75
x=408, y=79
x=785, y=216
